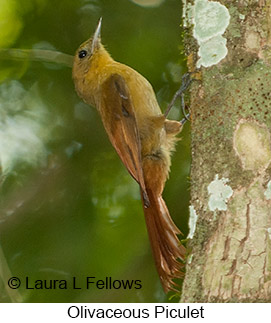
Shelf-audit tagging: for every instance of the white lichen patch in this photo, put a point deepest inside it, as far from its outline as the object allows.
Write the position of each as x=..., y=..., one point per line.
x=219, y=193
x=187, y=13
x=212, y=51
x=269, y=233
x=193, y=217
x=189, y=259
x=252, y=145
x=210, y=21
x=267, y=192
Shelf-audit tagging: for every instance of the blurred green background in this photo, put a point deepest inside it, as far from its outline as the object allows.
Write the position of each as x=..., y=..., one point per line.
x=68, y=206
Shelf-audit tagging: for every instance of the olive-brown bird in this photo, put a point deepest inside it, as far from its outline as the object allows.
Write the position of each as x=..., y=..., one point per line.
x=142, y=137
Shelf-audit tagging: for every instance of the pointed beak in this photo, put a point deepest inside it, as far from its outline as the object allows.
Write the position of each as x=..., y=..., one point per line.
x=97, y=36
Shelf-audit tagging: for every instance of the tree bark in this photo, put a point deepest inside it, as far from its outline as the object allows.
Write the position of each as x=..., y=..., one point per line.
x=230, y=224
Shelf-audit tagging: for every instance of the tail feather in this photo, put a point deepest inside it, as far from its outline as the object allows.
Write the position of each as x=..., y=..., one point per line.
x=166, y=247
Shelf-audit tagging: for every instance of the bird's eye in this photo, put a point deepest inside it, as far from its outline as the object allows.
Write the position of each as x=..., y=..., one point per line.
x=82, y=53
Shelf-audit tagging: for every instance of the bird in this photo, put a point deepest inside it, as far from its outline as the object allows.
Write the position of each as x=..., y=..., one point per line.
x=143, y=138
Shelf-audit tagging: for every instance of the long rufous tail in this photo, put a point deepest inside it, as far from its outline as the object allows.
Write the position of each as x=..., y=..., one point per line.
x=166, y=247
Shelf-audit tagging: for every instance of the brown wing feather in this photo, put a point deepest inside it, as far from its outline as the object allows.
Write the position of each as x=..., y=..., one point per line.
x=118, y=116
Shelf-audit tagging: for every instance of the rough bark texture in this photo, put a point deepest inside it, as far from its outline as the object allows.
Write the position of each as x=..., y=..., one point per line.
x=230, y=253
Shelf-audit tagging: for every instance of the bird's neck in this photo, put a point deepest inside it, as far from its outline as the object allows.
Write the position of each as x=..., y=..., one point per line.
x=100, y=61
x=89, y=87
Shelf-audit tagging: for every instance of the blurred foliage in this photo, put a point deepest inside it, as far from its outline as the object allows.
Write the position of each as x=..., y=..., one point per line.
x=68, y=206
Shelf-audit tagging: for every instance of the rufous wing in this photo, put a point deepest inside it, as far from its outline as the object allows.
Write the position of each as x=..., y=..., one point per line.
x=119, y=120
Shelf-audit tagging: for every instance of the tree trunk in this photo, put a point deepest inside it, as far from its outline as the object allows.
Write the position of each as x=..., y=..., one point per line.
x=230, y=212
